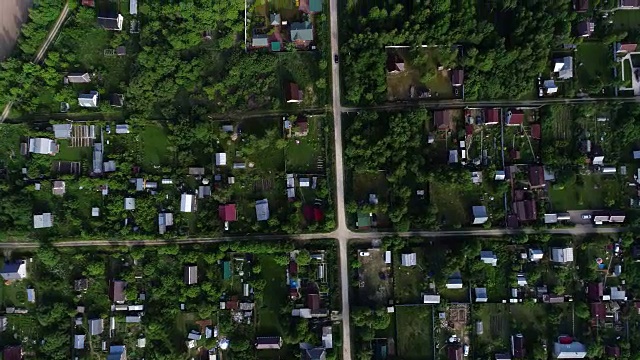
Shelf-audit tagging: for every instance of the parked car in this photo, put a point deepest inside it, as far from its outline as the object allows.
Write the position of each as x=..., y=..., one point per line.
x=336, y=58
x=586, y=216
x=466, y=350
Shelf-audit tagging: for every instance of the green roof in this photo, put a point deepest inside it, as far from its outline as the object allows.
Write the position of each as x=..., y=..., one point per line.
x=276, y=46
x=364, y=219
x=227, y=270
x=315, y=5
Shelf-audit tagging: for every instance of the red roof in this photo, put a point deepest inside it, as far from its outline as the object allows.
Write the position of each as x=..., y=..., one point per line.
x=307, y=212
x=90, y=3
x=628, y=47
x=581, y=5
x=535, y=131
x=318, y=214
x=536, y=176
x=232, y=305
x=227, y=212
x=516, y=118
x=313, y=301
x=469, y=129
x=454, y=352
x=565, y=340
x=12, y=353
x=292, y=92
x=595, y=290
x=492, y=116
x=598, y=311
x=293, y=268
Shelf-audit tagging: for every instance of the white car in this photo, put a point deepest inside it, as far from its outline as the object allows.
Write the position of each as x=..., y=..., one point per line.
x=364, y=253
x=466, y=350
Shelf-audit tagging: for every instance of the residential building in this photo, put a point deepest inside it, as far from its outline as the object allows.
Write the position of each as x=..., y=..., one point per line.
x=59, y=188
x=562, y=255
x=479, y=215
x=221, y=159
x=327, y=337
x=268, y=343
x=566, y=348
x=164, y=220
x=292, y=93
x=191, y=274
x=454, y=283
x=301, y=32
x=117, y=352
x=43, y=146
x=623, y=49
x=488, y=257
x=442, y=120
x=517, y=346
x=133, y=7
x=481, y=294
x=457, y=77
x=629, y=4
x=12, y=353
x=42, y=221
x=31, y=295
x=563, y=67
x=116, y=291
x=535, y=254
x=259, y=41
x=77, y=78
x=62, y=131
x=314, y=353
x=228, y=212
x=14, y=270
x=395, y=63
x=409, y=259
x=96, y=326
x=585, y=28
x=536, y=176
x=78, y=342
x=262, y=210
x=111, y=22
x=187, y=203
x=514, y=118
x=454, y=351
x=525, y=210
x=129, y=203
x=89, y=100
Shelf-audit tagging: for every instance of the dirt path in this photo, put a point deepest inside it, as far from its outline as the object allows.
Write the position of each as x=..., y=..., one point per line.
x=13, y=13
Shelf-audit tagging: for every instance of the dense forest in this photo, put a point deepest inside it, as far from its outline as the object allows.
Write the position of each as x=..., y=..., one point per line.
x=506, y=43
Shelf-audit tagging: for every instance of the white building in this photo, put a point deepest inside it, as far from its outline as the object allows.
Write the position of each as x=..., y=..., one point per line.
x=574, y=350
x=479, y=215
x=43, y=146
x=562, y=255
x=430, y=299
x=563, y=67
x=42, y=221
x=535, y=254
x=89, y=100
x=221, y=159
x=488, y=257
x=409, y=259
x=187, y=203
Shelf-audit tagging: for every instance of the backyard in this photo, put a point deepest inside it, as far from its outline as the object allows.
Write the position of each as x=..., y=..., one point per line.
x=273, y=300
x=626, y=19
x=305, y=154
x=495, y=321
x=414, y=326
x=409, y=280
x=596, y=66
x=593, y=192
x=454, y=201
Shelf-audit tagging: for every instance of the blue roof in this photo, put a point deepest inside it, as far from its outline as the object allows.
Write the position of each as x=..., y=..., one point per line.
x=315, y=5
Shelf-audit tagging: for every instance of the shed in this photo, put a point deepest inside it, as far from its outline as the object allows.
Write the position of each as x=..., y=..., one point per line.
x=562, y=255
x=62, y=131
x=122, y=129
x=89, y=100
x=187, y=203
x=479, y=215
x=42, y=221
x=481, y=294
x=129, y=203
x=409, y=259
x=430, y=299
x=78, y=342
x=191, y=274
x=262, y=210
x=221, y=159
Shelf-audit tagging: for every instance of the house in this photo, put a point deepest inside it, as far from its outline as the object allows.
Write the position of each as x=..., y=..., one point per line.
x=164, y=220
x=457, y=77
x=623, y=49
x=304, y=182
x=488, y=257
x=454, y=351
x=550, y=86
x=78, y=342
x=191, y=274
x=111, y=22
x=117, y=352
x=535, y=254
x=525, y=210
x=268, y=343
x=481, y=294
x=617, y=294
x=129, y=203
x=12, y=353
x=580, y=6
x=43, y=146
x=536, y=176
x=228, y=212
x=292, y=93
x=77, y=78
x=89, y=100
x=514, y=118
x=259, y=41
x=500, y=175
x=204, y=191
x=363, y=220
x=133, y=7
x=133, y=319
x=42, y=221
x=430, y=299
x=585, y=28
x=221, y=159
x=479, y=215
x=262, y=210
x=13, y=271
x=116, y=100
x=301, y=127
x=409, y=259
x=442, y=120
x=491, y=116
x=521, y=280
x=395, y=63
x=563, y=67
x=96, y=326
x=566, y=348
x=116, y=291
x=454, y=283
x=327, y=337
x=598, y=160
x=59, y=188
x=562, y=255
x=301, y=32
x=517, y=346
x=275, y=19
x=629, y=4
x=314, y=353
x=187, y=203
x=122, y=128
x=62, y=131
x=595, y=291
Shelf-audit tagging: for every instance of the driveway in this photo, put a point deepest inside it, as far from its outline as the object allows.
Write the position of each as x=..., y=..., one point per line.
x=13, y=13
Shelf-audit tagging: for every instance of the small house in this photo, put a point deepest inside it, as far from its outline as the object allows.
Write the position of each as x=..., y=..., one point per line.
x=41, y=221
x=517, y=346
x=623, y=49
x=585, y=28
x=221, y=159
x=409, y=259
x=580, y=6
x=535, y=254
x=481, y=294
x=488, y=257
x=301, y=32
x=562, y=255
x=96, y=326
x=454, y=283
x=164, y=220
x=479, y=215
x=62, y=131
x=187, y=203
x=129, y=203
x=293, y=94
x=89, y=100
x=59, y=188
x=563, y=67
x=15, y=270
x=78, y=341
x=395, y=63
x=262, y=210
x=536, y=176
x=117, y=352
x=442, y=120
x=492, y=116
x=228, y=212
x=268, y=343
x=191, y=274
x=77, y=78
x=116, y=291
x=566, y=348
x=43, y=146
x=514, y=118
x=111, y=22
x=122, y=129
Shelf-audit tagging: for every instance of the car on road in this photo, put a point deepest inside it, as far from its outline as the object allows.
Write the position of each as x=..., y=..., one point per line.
x=586, y=216
x=336, y=58
x=466, y=350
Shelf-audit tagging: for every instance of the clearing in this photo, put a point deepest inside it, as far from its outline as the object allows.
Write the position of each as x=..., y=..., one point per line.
x=414, y=325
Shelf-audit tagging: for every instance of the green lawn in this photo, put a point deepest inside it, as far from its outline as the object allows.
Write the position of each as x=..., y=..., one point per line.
x=437, y=81
x=626, y=19
x=68, y=153
x=302, y=152
x=454, y=202
x=588, y=192
x=155, y=146
x=408, y=281
x=495, y=320
x=415, y=332
x=596, y=60
x=627, y=73
x=274, y=297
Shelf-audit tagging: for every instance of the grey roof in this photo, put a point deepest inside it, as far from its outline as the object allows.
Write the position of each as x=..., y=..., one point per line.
x=262, y=210
x=133, y=7
x=186, y=202
x=122, y=129
x=133, y=319
x=78, y=78
x=62, y=131
x=302, y=31
x=88, y=100
x=259, y=41
x=111, y=22
x=78, y=342
x=42, y=221
x=42, y=146
x=98, y=157
x=317, y=353
x=96, y=326
x=129, y=203
x=191, y=274
x=275, y=19
x=204, y=191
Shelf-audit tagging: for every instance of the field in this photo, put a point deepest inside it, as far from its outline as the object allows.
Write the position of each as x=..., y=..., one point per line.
x=414, y=325
x=626, y=19
x=454, y=201
x=596, y=61
x=588, y=192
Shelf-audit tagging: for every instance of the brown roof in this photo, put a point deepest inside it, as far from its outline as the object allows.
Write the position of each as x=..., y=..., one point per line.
x=536, y=176
x=442, y=120
x=90, y=3
x=313, y=301
x=628, y=47
x=598, y=311
x=116, y=290
x=525, y=210
x=581, y=5
x=292, y=92
x=492, y=116
x=595, y=290
x=457, y=77
x=12, y=353
x=454, y=352
x=535, y=131
x=552, y=299
x=630, y=3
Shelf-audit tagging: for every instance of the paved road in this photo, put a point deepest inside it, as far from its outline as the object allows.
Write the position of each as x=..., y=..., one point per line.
x=42, y=51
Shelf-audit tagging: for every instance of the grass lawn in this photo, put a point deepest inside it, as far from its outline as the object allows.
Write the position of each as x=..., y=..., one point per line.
x=415, y=332
x=10, y=295
x=627, y=73
x=302, y=153
x=495, y=322
x=454, y=202
x=595, y=59
x=155, y=146
x=275, y=293
x=626, y=19
x=68, y=153
x=589, y=192
x=408, y=281
x=526, y=320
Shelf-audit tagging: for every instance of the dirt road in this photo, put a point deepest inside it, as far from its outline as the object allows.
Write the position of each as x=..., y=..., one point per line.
x=13, y=13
